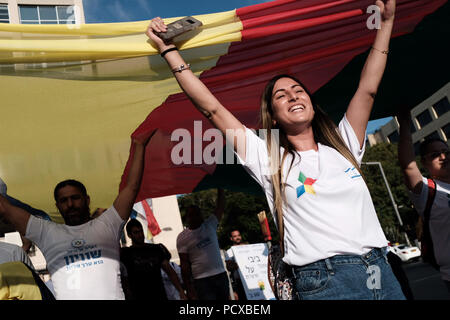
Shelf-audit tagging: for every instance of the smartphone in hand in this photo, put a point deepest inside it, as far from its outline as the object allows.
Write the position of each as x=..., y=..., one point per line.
x=179, y=27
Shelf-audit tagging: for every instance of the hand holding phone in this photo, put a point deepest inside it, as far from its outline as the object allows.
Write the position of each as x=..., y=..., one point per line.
x=179, y=27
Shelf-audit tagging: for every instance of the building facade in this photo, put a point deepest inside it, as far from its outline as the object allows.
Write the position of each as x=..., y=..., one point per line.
x=430, y=119
x=42, y=11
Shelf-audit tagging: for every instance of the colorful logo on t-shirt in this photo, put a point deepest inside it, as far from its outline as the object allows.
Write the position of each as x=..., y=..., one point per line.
x=306, y=186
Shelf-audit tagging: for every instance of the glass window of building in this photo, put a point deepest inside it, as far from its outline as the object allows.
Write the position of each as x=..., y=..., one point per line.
x=4, y=14
x=442, y=106
x=424, y=118
x=446, y=130
x=66, y=14
x=46, y=14
x=413, y=127
x=434, y=135
x=393, y=137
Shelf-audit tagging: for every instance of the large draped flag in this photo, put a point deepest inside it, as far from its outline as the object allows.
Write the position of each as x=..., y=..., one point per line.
x=73, y=94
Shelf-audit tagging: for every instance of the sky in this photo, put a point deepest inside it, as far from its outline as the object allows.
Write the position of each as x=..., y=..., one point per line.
x=376, y=124
x=105, y=11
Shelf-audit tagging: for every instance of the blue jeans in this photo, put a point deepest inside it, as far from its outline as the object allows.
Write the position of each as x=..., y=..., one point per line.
x=348, y=277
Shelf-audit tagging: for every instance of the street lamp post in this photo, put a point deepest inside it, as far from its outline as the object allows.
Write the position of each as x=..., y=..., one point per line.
x=392, y=198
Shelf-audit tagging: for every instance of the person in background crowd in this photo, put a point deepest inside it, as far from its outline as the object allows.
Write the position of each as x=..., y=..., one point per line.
x=233, y=268
x=18, y=278
x=435, y=158
x=143, y=262
x=202, y=268
x=171, y=291
x=18, y=281
x=10, y=252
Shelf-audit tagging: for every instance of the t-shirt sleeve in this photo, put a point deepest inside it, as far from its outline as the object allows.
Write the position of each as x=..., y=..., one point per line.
x=165, y=251
x=18, y=254
x=257, y=160
x=420, y=200
x=36, y=231
x=24, y=258
x=181, y=248
x=113, y=221
x=351, y=140
x=162, y=254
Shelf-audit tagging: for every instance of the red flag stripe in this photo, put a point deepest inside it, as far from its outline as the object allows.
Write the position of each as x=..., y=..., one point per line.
x=296, y=25
x=360, y=44
x=257, y=21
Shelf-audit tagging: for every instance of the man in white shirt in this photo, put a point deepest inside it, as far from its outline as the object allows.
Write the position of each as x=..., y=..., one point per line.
x=82, y=254
x=200, y=258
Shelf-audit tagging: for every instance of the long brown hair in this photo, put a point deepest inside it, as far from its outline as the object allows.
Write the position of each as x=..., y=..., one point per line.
x=325, y=132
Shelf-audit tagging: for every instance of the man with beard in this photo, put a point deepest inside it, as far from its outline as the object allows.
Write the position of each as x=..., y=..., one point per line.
x=233, y=268
x=83, y=253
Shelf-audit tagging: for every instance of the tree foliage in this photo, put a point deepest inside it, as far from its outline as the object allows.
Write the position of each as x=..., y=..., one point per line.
x=386, y=154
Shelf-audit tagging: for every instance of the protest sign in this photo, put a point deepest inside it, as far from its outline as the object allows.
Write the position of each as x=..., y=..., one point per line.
x=252, y=262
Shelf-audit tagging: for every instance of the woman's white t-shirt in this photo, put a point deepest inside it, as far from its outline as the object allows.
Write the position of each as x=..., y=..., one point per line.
x=329, y=210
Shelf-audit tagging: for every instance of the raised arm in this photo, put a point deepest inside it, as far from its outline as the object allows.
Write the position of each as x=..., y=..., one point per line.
x=197, y=92
x=220, y=204
x=406, y=158
x=18, y=217
x=358, y=111
x=127, y=196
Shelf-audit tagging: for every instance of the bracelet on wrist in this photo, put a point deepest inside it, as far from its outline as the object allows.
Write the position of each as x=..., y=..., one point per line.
x=168, y=50
x=382, y=51
x=181, y=68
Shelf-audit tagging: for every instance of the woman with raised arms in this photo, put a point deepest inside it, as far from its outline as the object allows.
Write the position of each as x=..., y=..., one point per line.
x=332, y=238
